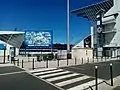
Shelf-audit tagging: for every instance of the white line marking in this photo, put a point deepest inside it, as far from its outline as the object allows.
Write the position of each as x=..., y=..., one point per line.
x=71, y=81
x=40, y=70
x=12, y=73
x=85, y=85
x=39, y=73
x=58, y=73
x=4, y=65
x=62, y=77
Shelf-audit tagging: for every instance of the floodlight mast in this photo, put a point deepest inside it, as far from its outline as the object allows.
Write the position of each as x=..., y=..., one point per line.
x=68, y=26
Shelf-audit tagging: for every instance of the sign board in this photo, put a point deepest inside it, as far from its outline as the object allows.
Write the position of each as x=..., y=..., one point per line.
x=12, y=51
x=38, y=38
x=2, y=46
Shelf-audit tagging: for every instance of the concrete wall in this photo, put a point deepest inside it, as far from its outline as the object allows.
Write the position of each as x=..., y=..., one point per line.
x=84, y=53
x=113, y=38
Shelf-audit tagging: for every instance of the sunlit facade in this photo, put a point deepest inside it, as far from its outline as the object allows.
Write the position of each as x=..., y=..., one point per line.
x=105, y=26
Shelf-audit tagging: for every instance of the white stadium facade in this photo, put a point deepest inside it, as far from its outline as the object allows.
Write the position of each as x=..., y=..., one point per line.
x=11, y=39
x=105, y=29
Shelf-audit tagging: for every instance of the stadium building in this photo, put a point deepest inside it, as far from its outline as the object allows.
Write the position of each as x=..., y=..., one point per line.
x=13, y=43
x=105, y=29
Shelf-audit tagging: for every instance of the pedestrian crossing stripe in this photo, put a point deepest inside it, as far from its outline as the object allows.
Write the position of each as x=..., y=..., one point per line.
x=40, y=73
x=71, y=81
x=65, y=79
x=62, y=77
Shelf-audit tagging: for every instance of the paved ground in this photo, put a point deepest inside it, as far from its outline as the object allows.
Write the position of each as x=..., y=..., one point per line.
x=71, y=77
x=116, y=88
x=65, y=79
x=14, y=78
x=79, y=77
x=103, y=69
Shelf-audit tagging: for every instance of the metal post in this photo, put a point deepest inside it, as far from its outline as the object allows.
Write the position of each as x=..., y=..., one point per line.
x=28, y=58
x=101, y=58
x=11, y=60
x=96, y=77
x=105, y=57
x=117, y=54
x=18, y=62
x=22, y=63
x=82, y=60
x=75, y=61
x=67, y=61
x=4, y=56
x=88, y=60
x=47, y=63
x=68, y=27
x=111, y=74
x=8, y=57
x=97, y=59
x=14, y=61
x=58, y=62
x=33, y=64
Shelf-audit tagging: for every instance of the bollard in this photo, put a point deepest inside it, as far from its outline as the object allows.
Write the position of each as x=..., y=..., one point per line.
x=111, y=74
x=47, y=64
x=105, y=57
x=67, y=61
x=18, y=62
x=14, y=61
x=58, y=62
x=4, y=56
x=93, y=59
x=82, y=60
x=8, y=57
x=28, y=59
x=97, y=59
x=22, y=63
x=11, y=61
x=75, y=61
x=88, y=60
x=33, y=64
x=101, y=59
x=96, y=77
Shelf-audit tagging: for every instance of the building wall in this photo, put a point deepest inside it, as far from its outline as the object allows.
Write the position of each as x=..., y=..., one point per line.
x=112, y=39
x=84, y=53
x=7, y=49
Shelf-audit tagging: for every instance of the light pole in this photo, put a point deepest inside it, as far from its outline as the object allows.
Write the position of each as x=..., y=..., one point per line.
x=68, y=26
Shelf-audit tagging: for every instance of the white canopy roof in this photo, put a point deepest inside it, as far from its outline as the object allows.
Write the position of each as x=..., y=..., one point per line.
x=12, y=32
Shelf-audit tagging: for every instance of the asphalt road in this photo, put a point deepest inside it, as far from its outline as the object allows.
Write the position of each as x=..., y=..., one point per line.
x=9, y=80
x=103, y=69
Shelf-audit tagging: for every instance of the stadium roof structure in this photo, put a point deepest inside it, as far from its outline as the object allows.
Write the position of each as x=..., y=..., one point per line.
x=14, y=38
x=90, y=12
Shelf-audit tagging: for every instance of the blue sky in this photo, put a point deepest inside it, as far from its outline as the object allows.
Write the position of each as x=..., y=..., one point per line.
x=45, y=15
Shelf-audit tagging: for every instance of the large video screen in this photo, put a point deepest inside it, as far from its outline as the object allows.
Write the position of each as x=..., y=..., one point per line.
x=38, y=38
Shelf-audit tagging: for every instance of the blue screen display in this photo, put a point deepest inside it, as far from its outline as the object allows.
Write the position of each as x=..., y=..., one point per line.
x=38, y=38
x=2, y=46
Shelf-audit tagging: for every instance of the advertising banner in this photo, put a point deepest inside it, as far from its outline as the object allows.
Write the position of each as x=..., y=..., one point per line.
x=38, y=38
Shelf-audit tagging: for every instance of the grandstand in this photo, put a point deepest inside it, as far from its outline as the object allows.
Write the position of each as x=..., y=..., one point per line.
x=105, y=27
